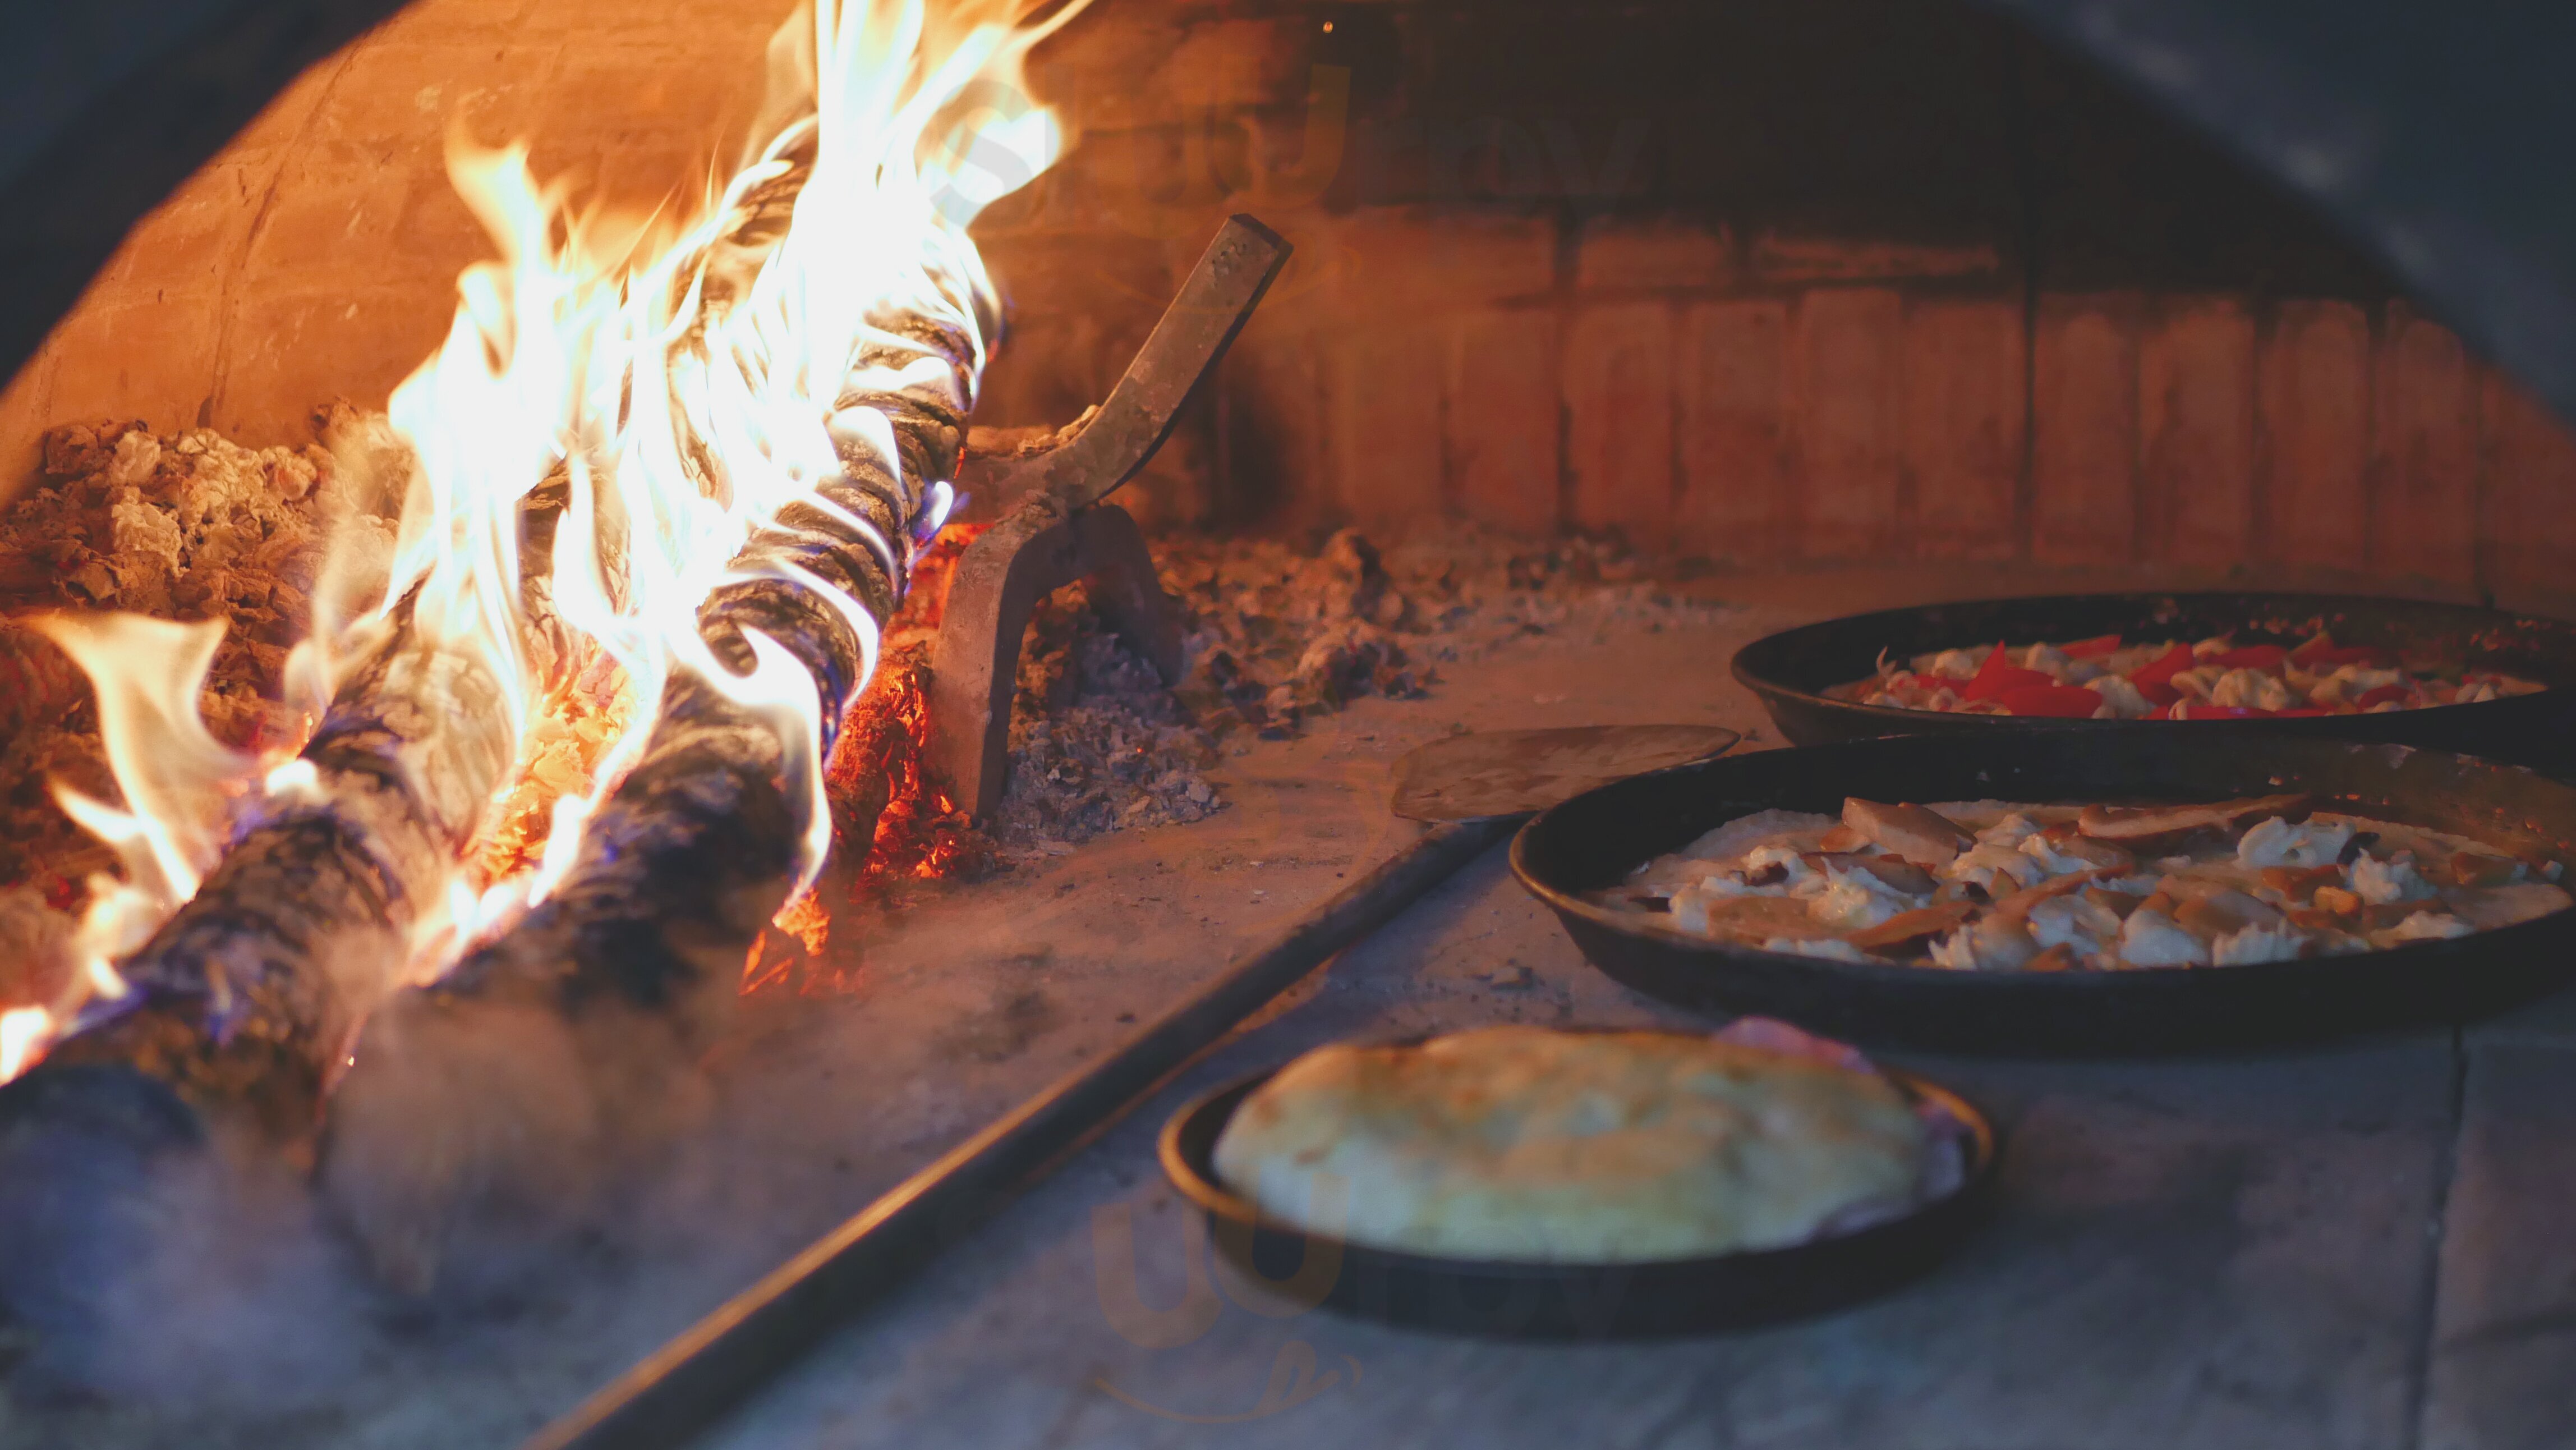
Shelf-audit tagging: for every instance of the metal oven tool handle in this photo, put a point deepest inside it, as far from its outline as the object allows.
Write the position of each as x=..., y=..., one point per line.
x=692, y=1382
x=1181, y=353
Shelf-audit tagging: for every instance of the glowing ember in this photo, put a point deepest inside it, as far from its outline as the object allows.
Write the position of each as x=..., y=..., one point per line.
x=690, y=382
x=893, y=818
x=576, y=725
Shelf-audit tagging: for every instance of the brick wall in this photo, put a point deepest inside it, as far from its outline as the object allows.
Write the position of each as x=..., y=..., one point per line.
x=1751, y=279
x=316, y=255
x=1756, y=417
x=1763, y=280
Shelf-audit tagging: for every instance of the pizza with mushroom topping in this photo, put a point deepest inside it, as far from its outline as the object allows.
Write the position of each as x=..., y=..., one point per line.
x=2002, y=886
x=2109, y=678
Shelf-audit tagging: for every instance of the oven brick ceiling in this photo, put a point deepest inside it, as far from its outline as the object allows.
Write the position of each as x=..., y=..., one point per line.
x=1806, y=278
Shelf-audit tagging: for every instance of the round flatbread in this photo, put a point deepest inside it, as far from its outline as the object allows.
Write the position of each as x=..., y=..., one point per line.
x=1526, y=1144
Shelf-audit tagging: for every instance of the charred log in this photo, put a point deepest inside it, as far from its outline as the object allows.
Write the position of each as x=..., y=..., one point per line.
x=242, y=1006
x=513, y=1090
x=242, y=1003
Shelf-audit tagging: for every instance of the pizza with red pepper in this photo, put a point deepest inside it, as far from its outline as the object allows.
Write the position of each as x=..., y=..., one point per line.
x=2110, y=678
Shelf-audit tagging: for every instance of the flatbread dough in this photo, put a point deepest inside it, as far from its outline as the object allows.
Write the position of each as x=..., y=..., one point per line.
x=1526, y=1144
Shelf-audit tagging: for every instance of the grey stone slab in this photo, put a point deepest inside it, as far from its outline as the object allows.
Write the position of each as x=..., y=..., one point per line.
x=2208, y=1253
x=2549, y=1019
x=2212, y=1253
x=953, y=1005
x=2503, y=1365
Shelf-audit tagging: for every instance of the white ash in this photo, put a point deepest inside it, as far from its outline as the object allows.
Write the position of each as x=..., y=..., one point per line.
x=1097, y=743
x=1282, y=634
x=1279, y=636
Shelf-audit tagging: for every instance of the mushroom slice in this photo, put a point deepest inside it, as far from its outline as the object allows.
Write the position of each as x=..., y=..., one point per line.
x=1925, y=837
x=2102, y=856
x=2118, y=903
x=2140, y=826
x=1912, y=928
x=2215, y=914
x=1842, y=839
x=2016, y=907
x=2476, y=868
x=2060, y=848
x=1754, y=920
x=1893, y=872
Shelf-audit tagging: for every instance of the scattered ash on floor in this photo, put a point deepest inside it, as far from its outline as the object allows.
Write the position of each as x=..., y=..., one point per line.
x=1281, y=635
x=1098, y=743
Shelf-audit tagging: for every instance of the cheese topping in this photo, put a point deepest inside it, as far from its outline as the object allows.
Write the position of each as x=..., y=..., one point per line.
x=2106, y=888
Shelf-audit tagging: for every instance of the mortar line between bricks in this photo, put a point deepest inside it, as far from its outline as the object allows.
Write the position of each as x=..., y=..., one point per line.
x=2419, y=1365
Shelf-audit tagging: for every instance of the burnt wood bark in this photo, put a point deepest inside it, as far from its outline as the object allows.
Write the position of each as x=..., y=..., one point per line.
x=513, y=1089
x=242, y=1003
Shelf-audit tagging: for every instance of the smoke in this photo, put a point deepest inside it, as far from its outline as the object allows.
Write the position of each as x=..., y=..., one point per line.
x=144, y=1264
x=196, y=1293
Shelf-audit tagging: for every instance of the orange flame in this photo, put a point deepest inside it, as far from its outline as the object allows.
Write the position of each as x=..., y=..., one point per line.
x=893, y=817
x=689, y=380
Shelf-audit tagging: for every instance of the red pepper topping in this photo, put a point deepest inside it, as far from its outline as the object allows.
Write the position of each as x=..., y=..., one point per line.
x=2091, y=649
x=2056, y=702
x=2380, y=696
x=2158, y=692
x=2162, y=668
x=1999, y=674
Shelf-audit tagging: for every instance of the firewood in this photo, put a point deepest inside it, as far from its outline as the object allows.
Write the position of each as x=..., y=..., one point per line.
x=240, y=1006
x=554, y=1057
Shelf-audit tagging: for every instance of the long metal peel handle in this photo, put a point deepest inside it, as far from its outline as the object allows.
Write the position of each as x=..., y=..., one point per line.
x=690, y=1383
x=1181, y=353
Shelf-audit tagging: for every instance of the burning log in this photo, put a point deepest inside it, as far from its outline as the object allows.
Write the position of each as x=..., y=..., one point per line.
x=786, y=383
x=238, y=1009
x=520, y=1083
x=238, y=1006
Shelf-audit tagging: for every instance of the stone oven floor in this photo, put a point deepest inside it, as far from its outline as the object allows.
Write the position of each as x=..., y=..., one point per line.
x=2359, y=1246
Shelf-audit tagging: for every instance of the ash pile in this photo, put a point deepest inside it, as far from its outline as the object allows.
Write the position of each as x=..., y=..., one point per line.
x=1097, y=743
x=188, y=527
x=1281, y=635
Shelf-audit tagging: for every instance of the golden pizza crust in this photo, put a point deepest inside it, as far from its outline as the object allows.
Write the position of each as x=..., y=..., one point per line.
x=1521, y=1143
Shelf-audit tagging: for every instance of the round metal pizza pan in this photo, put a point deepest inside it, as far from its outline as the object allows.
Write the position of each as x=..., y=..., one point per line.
x=1595, y=840
x=1791, y=671
x=1520, y=1300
